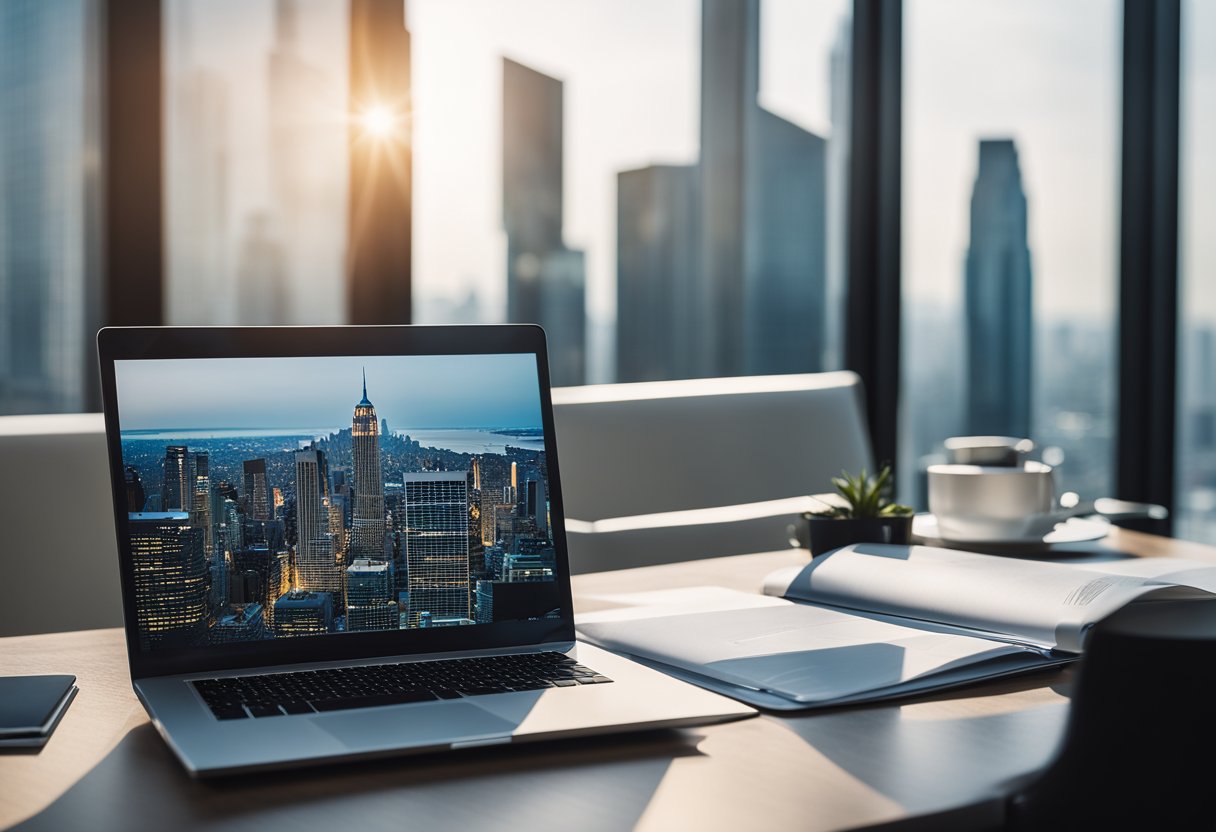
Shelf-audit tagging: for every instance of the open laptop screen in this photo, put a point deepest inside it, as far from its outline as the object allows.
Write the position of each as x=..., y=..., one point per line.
x=285, y=497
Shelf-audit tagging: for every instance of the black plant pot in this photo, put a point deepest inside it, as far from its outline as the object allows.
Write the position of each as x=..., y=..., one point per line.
x=828, y=533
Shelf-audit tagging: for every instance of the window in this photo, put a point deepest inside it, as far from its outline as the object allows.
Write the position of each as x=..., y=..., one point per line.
x=256, y=165
x=1195, y=513
x=577, y=166
x=1010, y=209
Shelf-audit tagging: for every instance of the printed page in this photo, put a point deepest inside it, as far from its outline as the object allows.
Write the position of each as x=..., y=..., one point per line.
x=800, y=652
x=1046, y=604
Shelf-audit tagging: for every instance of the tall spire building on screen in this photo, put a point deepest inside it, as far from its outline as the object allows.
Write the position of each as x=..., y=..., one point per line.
x=367, y=527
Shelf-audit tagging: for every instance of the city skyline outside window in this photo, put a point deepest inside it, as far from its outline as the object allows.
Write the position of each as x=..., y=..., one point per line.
x=1196, y=439
x=616, y=192
x=255, y=233
x=1011, y=126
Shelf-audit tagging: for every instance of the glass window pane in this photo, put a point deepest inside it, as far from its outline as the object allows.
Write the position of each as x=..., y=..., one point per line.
x=1010, y=207
x=576, y=165
x=1196, y=442
x=49, y=203
x=255, y=161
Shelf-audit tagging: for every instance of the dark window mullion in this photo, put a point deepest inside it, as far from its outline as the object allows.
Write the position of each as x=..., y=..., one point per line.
x=1148, y=253
x=872, y=316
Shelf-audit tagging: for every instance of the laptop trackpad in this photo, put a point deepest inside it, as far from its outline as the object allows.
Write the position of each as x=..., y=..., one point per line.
x=413, y=725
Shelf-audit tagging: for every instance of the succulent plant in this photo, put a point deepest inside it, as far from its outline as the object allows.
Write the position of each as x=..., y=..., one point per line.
x=865, y=497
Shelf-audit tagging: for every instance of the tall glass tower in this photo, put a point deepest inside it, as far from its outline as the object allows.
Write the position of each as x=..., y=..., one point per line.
x=437, y=544
x=316, y=567
x=998, y=294
x=367, y=526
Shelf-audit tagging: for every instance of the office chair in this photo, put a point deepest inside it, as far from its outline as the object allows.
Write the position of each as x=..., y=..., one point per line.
x=1141, y=737
x=659, y=472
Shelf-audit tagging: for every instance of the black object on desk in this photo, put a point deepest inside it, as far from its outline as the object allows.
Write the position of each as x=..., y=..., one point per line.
x=31, y=707
x=1137, y=752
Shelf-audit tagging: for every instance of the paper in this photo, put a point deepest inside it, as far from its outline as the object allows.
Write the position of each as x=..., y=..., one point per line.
x=803, y=653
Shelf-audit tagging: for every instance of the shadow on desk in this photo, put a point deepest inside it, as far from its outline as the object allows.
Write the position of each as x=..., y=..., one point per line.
x=923, y=760
x=591, y=783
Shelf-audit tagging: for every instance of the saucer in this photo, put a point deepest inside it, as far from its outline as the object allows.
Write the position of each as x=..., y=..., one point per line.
x=1072, y=530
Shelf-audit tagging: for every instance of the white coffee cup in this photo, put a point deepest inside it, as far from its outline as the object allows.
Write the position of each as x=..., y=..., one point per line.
x=993, y=503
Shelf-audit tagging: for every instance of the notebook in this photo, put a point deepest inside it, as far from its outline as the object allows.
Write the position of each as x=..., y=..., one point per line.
x=876, y=621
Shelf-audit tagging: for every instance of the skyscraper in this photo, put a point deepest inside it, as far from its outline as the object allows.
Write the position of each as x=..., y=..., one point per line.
x=369, y=596
x=730, y=80
x=301, y=613
x=171, y=580
x=762, y=212
x=257, y=490
x=784, y=248
x=536, y=504
x=998, y=297
x=545, y=280
x=367, y=524
x=657, y=275
x=316, y=567
x=200, y=499
x=437, y=543
x=135, y=489
x=49, y=204
x=753, y=241
x=177, y=490
x=238, y=624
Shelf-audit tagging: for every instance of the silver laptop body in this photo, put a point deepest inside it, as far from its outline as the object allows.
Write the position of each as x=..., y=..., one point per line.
x=297, y=505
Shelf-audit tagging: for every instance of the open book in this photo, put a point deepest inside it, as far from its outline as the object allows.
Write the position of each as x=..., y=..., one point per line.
x=877, y=621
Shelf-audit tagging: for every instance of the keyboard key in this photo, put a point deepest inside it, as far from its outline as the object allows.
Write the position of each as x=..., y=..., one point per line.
x=297, y=707
x=565, y=683
x=265, y=710
x=599, y=680
x=229, y=713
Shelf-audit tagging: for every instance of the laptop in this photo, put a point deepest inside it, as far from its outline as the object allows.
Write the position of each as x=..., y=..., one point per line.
x=347, y=542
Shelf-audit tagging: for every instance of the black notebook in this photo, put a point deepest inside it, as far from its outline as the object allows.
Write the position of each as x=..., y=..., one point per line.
x=31, y=706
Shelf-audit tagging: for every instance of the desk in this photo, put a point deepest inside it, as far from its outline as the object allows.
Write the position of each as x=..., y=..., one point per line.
x=946, y=754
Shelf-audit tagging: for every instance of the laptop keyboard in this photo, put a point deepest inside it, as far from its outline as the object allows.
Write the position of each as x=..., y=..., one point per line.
x=369, y=686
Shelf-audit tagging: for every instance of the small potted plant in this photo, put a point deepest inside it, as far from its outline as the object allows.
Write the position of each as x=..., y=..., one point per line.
x=863, y=513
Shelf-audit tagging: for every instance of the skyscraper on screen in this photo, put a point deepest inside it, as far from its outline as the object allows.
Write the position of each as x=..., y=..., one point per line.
x=367, y=526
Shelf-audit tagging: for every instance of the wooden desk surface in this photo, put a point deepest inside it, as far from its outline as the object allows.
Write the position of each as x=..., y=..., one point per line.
x=105, y=767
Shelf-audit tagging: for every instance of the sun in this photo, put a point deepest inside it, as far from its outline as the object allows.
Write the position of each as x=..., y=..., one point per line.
x=379, y=121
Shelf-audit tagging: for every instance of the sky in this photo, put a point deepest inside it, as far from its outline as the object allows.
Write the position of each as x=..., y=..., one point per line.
x=411, y=392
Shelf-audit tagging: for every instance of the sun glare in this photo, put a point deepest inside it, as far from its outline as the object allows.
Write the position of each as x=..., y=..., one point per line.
x=379, y=121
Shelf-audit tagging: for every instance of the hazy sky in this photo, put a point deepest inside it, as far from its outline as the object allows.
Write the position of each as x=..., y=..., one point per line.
x=411, y=392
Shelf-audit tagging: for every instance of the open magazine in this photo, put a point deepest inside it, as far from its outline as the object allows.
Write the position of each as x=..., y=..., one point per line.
x=878, y=621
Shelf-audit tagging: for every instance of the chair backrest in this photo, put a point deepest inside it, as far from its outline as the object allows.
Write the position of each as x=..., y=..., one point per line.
x=658, y=447
x=58, y=552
